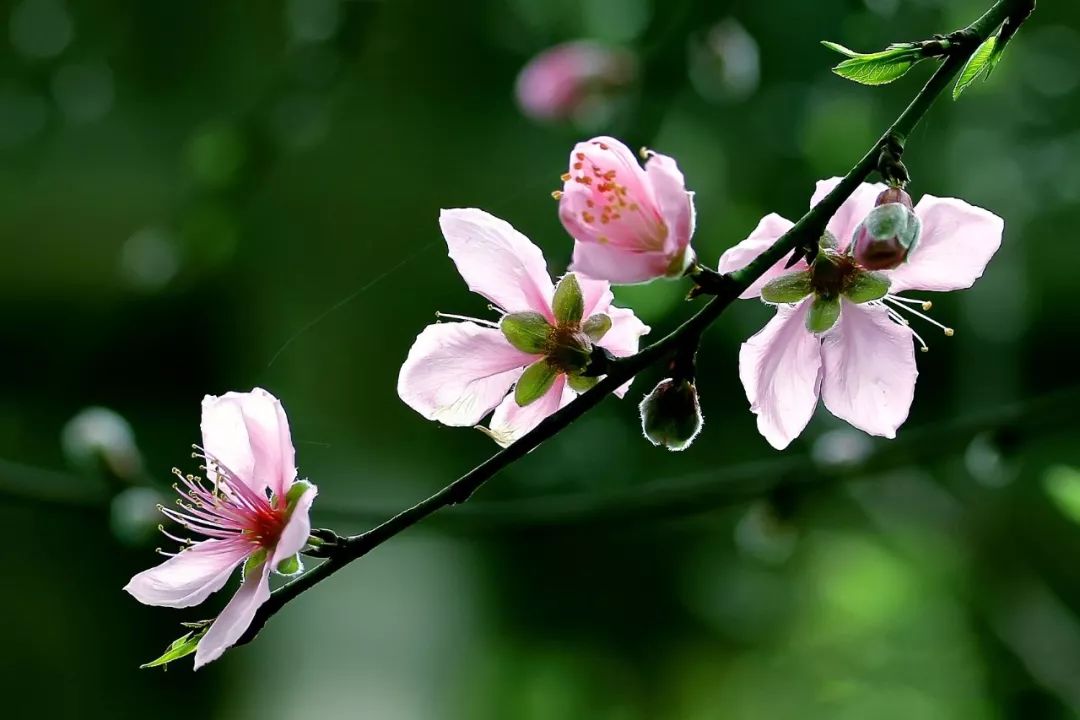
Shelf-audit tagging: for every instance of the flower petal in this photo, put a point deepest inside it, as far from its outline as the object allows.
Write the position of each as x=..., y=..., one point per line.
x=851, y=211
x=624, y=337
x=497, y=261
x=676, y=204
x=618, y=265
x=510, y=421
x=297, y=530
x=190, y=576
x=596, y=293
x=771, y=227
x=780, y=369
x=457, y=372
x=956, y=243
x=236, y=617
x=870, y=372
x=249, y=434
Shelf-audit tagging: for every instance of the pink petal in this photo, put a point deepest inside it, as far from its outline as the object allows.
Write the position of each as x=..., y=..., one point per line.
x=510, y=421
x=618, y=265
x=956, y=243
x=780, y=369
x=249, y=433
x=457, y=372
x=596, y=294
x=235, y=618
x=297, y=530
x=190, y=576
x=869, y=378
x=676, y=204
x=497, y=261
x=624, y=337
x=852, y=211
x=768, y=231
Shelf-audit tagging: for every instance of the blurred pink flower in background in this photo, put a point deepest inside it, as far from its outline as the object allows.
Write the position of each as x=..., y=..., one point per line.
x=574, y=81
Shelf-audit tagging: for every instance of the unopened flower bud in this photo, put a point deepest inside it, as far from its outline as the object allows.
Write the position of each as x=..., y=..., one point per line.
x=885, y=238
x=671, y=414
x=894, y=195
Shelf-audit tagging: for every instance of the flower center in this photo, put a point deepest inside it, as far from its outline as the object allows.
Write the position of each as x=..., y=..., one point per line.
x=832, y=273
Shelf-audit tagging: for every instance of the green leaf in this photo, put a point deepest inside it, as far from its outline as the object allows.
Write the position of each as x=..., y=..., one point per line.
x=529, y=332
x=789, y=288
x=568, y=305
x=534, y=382
x=878, y=68
x=867, y=286
x=596, y=326
x=824, y=312
x=1062, y=484
x=581, y=383
x=178, y=648
x=976, y=65
x=837, y=47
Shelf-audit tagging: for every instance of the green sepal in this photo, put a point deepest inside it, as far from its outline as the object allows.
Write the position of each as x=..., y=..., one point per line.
x=581, y=383
x=254, y=562
x=534, y=382
x=824, y=312
x=296, y=491
x=982, y=60
x=290, y=565
x=529, y=332
x=866, y=286
x=568, y=304
x=596, y=326
x=789, y=288
x=878, y=68
x=179, y=648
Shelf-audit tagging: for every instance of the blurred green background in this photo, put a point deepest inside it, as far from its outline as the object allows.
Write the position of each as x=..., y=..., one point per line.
x=205, y=196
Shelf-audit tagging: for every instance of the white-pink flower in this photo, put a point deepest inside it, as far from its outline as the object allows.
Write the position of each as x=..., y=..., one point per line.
x=573, y=80
x=862, y=362
x=458, y=372
x=249, y=510
x=630, y=224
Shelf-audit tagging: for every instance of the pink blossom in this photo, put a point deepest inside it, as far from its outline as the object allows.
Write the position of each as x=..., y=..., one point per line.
x=630, y=224
x=458, y=372
x=565, y=81
x=250, y=510
x=863, y=363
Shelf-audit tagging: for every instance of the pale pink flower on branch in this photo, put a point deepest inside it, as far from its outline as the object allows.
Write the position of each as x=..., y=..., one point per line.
x=250, y=510
x=458, y=372
x=573, y=80
x=631, y=224
x=840, y=331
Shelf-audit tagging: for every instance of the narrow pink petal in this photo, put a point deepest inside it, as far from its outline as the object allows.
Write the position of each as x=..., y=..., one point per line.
x=497, y=261
x=249, y=433
x=190, y=576
x=596, y=294
x=618, y=265
x=297, y=530
x=956, y=243
x=457, y=372
x=768, y=231
x=870, y=371
x=235, y=618
x=510, y=421
x=780, y=369
x=852, y=211
x=624, y=337
x=676, y=204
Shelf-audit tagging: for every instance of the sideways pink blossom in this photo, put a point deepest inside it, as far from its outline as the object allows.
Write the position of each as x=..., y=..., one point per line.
x=839, y=332
x=630, y=224
x=250, y=510
x=531, y=362
x=569, y=81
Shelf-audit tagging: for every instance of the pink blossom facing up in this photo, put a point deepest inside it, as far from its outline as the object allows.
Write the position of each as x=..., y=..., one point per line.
x=458, y=372
x=630, y=224
x=250, y=510
x=861, y=361
x=567, y=81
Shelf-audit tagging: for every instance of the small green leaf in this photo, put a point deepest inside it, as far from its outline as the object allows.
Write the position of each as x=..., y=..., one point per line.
x=837, y=47
x=534, y=382
x=568, y=305
x=824, y=312
x=976, y=65
x=290, y=565
x=581, y=383
x=596, y=326
x=178, y=648
x=529, y=332
x=1062, y=484
x=789, y=288
x=867, y=286
x=878, y=68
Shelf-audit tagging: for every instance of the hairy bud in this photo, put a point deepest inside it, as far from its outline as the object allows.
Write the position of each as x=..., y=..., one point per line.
x=671, y=414
x=886, y=237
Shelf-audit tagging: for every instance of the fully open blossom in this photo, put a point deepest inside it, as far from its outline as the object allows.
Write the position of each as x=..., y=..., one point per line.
x=861, y=359
x=458, y=372
x=250, y=510
x=630, y=224
x=573, y=80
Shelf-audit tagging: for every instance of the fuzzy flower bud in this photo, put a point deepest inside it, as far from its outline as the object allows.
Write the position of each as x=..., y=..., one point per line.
x=885, y=238
x=671, y=414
